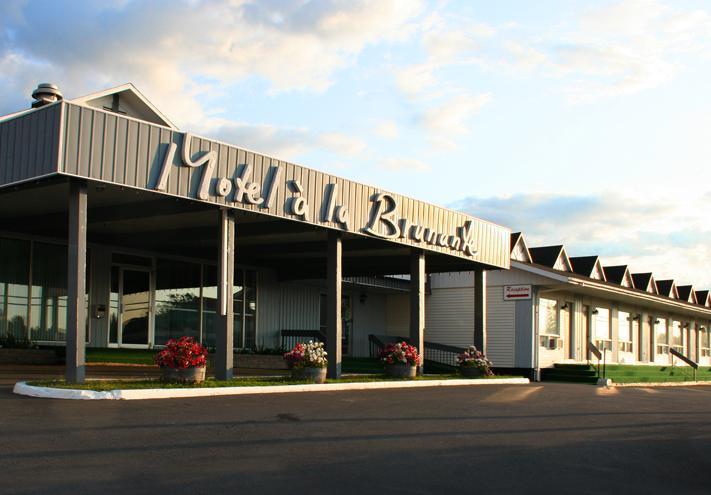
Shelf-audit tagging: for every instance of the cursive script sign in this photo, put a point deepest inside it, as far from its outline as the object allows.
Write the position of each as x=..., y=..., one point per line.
x=384, y=219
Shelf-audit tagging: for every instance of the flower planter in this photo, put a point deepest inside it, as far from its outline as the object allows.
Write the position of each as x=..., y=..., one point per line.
x=401, y=370
x=316, y=375
x=470, y=371
x=183, y=375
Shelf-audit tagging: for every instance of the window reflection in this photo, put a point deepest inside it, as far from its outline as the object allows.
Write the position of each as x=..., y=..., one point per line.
x=14, y=290
x=177, y=300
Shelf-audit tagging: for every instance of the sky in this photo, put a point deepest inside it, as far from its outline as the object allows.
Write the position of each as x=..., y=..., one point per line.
x=583, y=123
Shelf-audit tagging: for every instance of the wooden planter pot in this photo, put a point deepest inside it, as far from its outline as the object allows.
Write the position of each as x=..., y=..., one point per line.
x=183, y=375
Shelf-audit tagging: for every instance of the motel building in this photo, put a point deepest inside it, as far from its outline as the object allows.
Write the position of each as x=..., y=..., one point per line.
x=117, y=229
x=549, y=308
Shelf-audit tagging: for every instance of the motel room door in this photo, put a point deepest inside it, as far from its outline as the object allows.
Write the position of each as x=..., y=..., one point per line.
x=130, y=314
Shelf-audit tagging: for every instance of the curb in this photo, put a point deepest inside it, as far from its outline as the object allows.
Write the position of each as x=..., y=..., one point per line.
x=663, y=384
x=22, y=388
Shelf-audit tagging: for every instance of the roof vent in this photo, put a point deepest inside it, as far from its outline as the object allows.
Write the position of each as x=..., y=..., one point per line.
x=45, y=94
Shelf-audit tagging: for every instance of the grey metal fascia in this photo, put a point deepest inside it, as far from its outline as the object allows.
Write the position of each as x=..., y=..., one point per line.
x=539, y=271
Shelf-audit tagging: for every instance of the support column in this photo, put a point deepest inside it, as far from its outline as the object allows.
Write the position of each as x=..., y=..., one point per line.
x=76, y=283
x=417, y=302
x=480, y=309
x=334, y=320
x=224, y=352
x=645, y=337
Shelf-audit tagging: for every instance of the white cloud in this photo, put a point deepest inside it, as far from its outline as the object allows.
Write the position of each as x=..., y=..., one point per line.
x=669, y=239
x=450, y=119
x=526, y=58
x=387, y=129
x=342, y=144
x=404, y=164
x=179, y=50
x=283, y=142
x=628, y=47
x=413, y=80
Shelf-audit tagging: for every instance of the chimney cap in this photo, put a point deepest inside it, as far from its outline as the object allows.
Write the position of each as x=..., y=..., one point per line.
x=46, y=93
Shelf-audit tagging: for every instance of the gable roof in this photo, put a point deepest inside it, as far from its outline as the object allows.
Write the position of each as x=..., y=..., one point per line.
x=703, y=298
x=519, y=248
x=126, y=100
x=645, y=282
x=619, y=275
x=551, y=256
x=667, y=288
x=588, y=266
x=686, y=293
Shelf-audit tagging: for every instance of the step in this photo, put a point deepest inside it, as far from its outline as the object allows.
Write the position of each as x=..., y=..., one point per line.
x=571, y=366
x=560, y=371
x=569, y=378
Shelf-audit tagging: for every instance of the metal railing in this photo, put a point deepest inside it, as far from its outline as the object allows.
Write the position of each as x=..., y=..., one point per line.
x=600, y=355
x=289, y=338
x=694, y=365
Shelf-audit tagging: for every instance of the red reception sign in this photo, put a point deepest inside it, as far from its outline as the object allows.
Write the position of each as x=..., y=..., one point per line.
x=516, y=292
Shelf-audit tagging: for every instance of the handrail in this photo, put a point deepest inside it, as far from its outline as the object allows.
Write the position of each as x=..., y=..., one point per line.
x=433, y=351
x=289, y=338
x=694, y=365
x=599, y=355
x=593, y=348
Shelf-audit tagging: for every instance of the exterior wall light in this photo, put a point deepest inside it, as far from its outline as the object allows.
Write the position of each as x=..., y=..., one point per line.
x=595, y=311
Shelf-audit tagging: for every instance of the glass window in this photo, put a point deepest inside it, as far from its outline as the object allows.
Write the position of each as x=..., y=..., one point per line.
x=677, y=339
x=601, y=319
x=346, y=321
x=209, y=305
x=704, y=342
x=624, y=321
x=14, y=287
x=49, y=292
x=250, y=309
x=661, y=337
x=244, y=299
x=548, y=317
x=177, y=300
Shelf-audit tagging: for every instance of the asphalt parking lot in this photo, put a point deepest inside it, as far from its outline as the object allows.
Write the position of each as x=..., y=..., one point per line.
x=539, y=438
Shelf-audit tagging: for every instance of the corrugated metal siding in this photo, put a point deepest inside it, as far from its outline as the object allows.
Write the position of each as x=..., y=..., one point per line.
x=104, y=146
x=29, y=145
x=500, y=328
x=449, y=316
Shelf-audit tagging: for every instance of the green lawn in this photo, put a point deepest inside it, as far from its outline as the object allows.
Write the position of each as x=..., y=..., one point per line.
x=620, y=373
x=120, y=356
x=106, y=385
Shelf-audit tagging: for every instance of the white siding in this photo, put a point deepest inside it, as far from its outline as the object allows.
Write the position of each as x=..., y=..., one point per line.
x=449, y=316
x=397, y=314
x=451, y=280
x=368, y=317
x=500, y=328
x=514, y=277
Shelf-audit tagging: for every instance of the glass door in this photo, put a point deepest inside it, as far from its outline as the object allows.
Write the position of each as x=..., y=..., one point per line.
x=130, y=307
